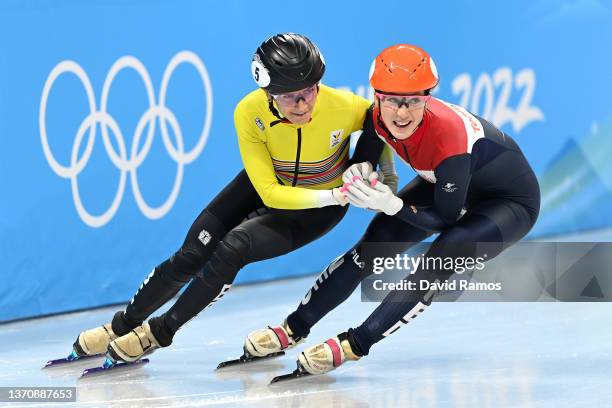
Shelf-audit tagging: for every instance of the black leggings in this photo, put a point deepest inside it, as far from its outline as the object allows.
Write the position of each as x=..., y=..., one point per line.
x=234, y=230
x=497, y=220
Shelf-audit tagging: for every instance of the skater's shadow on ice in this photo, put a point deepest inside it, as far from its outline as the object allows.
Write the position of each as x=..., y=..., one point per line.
x=114, y=390
x=231, y=373
x=115, y=378
x=73, y=369
x=252, y=376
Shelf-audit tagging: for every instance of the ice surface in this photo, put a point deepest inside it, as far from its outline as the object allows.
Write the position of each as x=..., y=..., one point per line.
x=455, y=354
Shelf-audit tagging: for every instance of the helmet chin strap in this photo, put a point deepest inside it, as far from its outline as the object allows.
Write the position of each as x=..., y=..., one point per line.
x=381, y=122
x=274, y=111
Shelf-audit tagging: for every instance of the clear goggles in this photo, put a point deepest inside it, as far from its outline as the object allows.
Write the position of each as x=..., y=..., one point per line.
x=293, y=98
x=394, y=102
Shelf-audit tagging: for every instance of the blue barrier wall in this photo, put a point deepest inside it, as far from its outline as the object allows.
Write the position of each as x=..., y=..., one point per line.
x=88, y=210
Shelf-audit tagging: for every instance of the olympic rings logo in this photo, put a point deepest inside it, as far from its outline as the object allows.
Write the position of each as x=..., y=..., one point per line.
x=125, y=164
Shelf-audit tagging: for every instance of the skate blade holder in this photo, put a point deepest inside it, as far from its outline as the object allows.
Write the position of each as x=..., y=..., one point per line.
x=245, y=358
x=73, y=358
x=111, y=367
x=299, y=372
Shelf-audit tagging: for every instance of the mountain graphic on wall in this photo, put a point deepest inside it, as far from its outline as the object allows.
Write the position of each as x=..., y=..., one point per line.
x=576, y=186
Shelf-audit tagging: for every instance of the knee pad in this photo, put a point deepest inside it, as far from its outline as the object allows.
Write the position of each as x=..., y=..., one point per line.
x=435, y=277
x=235, y=248
x=230, y=256
x=354, y=255
x=175, y=271
x=378, y=230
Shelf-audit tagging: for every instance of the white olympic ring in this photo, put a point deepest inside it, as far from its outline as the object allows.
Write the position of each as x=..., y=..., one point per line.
x=106, y=121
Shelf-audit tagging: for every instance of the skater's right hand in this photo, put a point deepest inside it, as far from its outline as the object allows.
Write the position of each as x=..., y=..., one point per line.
x=340, y=197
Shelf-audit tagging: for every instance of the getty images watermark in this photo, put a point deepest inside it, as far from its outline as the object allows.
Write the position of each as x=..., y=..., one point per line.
x=445, y=265
x=490, y=272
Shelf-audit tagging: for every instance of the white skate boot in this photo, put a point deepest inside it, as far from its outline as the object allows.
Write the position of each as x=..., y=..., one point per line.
x=322, y=358
x=265, y=343
x=273, y=339
x=134, y=345
x=327, y=356
x=94, y=341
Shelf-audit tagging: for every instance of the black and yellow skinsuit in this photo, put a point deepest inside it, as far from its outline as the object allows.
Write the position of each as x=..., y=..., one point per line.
x=296, y=166
x=280, y=202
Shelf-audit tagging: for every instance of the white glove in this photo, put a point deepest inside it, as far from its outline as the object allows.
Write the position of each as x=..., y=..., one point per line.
x=380, y=177
x=373, y=178
x=352, y=198
x=378, y=197
x=362, y=170
x=339, y=196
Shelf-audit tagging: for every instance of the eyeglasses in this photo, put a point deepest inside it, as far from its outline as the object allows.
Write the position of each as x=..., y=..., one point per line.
x=293, y=98
x=394, y=102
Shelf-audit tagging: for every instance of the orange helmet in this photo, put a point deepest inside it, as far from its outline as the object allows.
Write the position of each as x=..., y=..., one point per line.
x=402, y=69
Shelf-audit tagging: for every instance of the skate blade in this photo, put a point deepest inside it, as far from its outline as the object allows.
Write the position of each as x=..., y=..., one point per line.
x=72, y=358
x=118, y=367
x=244, y=359
x=298, y=373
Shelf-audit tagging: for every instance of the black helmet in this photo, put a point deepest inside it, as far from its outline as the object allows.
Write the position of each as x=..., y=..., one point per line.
x=286, y=63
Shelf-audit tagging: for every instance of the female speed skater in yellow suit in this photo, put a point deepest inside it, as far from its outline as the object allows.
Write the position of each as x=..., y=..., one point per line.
x=294, y=137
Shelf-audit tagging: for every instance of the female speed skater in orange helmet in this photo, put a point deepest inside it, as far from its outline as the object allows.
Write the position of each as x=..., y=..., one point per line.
x=473, y=185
